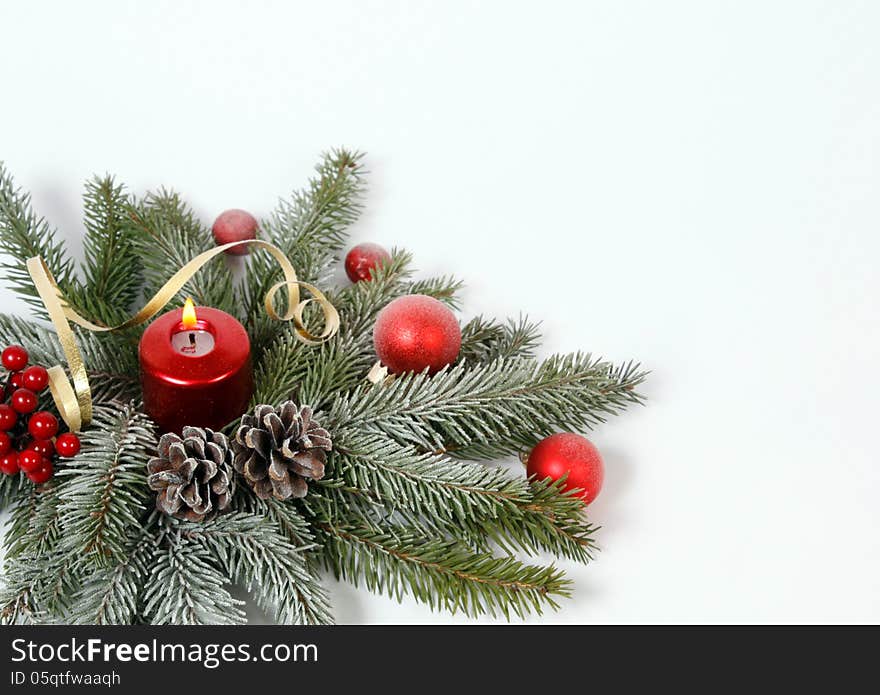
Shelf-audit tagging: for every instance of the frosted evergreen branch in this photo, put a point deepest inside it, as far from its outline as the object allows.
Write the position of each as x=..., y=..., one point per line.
x=471, y=502
x=23, y=235
x=111, y=360
x=276, y=572
x=112, y=268
x=310, y=228
x=484, y=340
x=442, y=573
x=445, y=288
x=106, y=493
x=112, y=595
x=167, y=236
x=185, y=587
x=503, y=403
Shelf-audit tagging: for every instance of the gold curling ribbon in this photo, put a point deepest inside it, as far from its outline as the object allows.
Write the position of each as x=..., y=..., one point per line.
x=74, y=401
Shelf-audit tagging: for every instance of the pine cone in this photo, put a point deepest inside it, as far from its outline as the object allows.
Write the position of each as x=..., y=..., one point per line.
x=192, y=475
x=276, y=451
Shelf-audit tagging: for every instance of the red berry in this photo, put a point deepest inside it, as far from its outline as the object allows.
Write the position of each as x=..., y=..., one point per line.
x=5, y=443
x=42, y=473
x=416, y=332
x=44, y=447
x=29, y=460
x=360, y=261
x=2, y=393
x=8, y=417
x=35, y=378
x=234, y=225
x=17, y=380
x=569, y=453
x=43, y=425
x=14, y=357
x=24, y=401
x=9, y=463
x=67, y=445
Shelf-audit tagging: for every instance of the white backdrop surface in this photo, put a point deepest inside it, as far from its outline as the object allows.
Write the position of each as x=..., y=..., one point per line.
x=694, y=185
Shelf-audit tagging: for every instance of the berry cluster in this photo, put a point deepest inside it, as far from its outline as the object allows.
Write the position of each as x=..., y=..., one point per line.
x=26, y=436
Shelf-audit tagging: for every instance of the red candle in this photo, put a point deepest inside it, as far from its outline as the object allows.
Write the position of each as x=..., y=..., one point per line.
x=195, y=369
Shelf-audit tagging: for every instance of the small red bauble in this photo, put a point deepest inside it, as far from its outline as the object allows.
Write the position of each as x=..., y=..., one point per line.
x=24, y=401
x=416, y=332
x=29, y=460
x=9, y=463
x=67, y=445
x=43, y=425
x=14, y=357
x=41, y=473
x=8, y=417
x=360, y=261
x=234, y=225
x=35, y=378
x=44, y=447
x=5, y=443
x=569, y=453
x=17, y=380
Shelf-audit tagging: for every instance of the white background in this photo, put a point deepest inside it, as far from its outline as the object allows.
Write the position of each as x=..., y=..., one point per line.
x=695, y=185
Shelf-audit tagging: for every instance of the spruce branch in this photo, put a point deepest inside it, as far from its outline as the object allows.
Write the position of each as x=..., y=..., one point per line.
x=110, y=359
x=254, y=553
x=471, y=502
x=309, y=228
x=112, y=595
x=484, y=340
x=23, y=235
x=106, y=491
x=112, y=267
x=497, y=408
x=185, y=587
x=167, y=235
x=443, y=573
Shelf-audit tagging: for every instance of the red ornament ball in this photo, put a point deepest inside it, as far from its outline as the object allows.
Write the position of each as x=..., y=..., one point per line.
x=8, y=417
x=360, y=261
x=17, y=380
x=43, y=425
x=14, y=357
x=44, y=447
x=41, y=473
x=234, y=225
x=9, y=463
x=67, y=445
x=24, y=401
x=5, y=443
x=35, y=378
x=569, y=453
x=29, y=460
x=416, y=332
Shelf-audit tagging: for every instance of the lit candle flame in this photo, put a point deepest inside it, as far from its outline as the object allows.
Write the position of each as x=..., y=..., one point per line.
x=189, y=315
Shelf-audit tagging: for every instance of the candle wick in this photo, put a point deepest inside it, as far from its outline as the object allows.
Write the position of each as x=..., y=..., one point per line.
x=192, y=339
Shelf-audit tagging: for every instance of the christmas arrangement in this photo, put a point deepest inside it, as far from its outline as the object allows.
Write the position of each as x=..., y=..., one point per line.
x=231, y=432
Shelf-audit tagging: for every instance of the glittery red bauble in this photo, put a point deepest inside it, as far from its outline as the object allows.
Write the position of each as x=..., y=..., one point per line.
x=569, y=453
x=234, y=225
x=360, y=261
x=416, y=332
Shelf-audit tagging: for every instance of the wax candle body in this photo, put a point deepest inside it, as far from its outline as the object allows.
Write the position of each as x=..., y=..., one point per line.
x=199, y=376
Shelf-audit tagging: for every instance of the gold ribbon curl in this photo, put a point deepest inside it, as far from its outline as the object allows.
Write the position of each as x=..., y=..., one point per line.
x=74, y=401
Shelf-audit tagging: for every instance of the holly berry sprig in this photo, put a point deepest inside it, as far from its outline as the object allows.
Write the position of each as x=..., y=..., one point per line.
x=28, y=440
